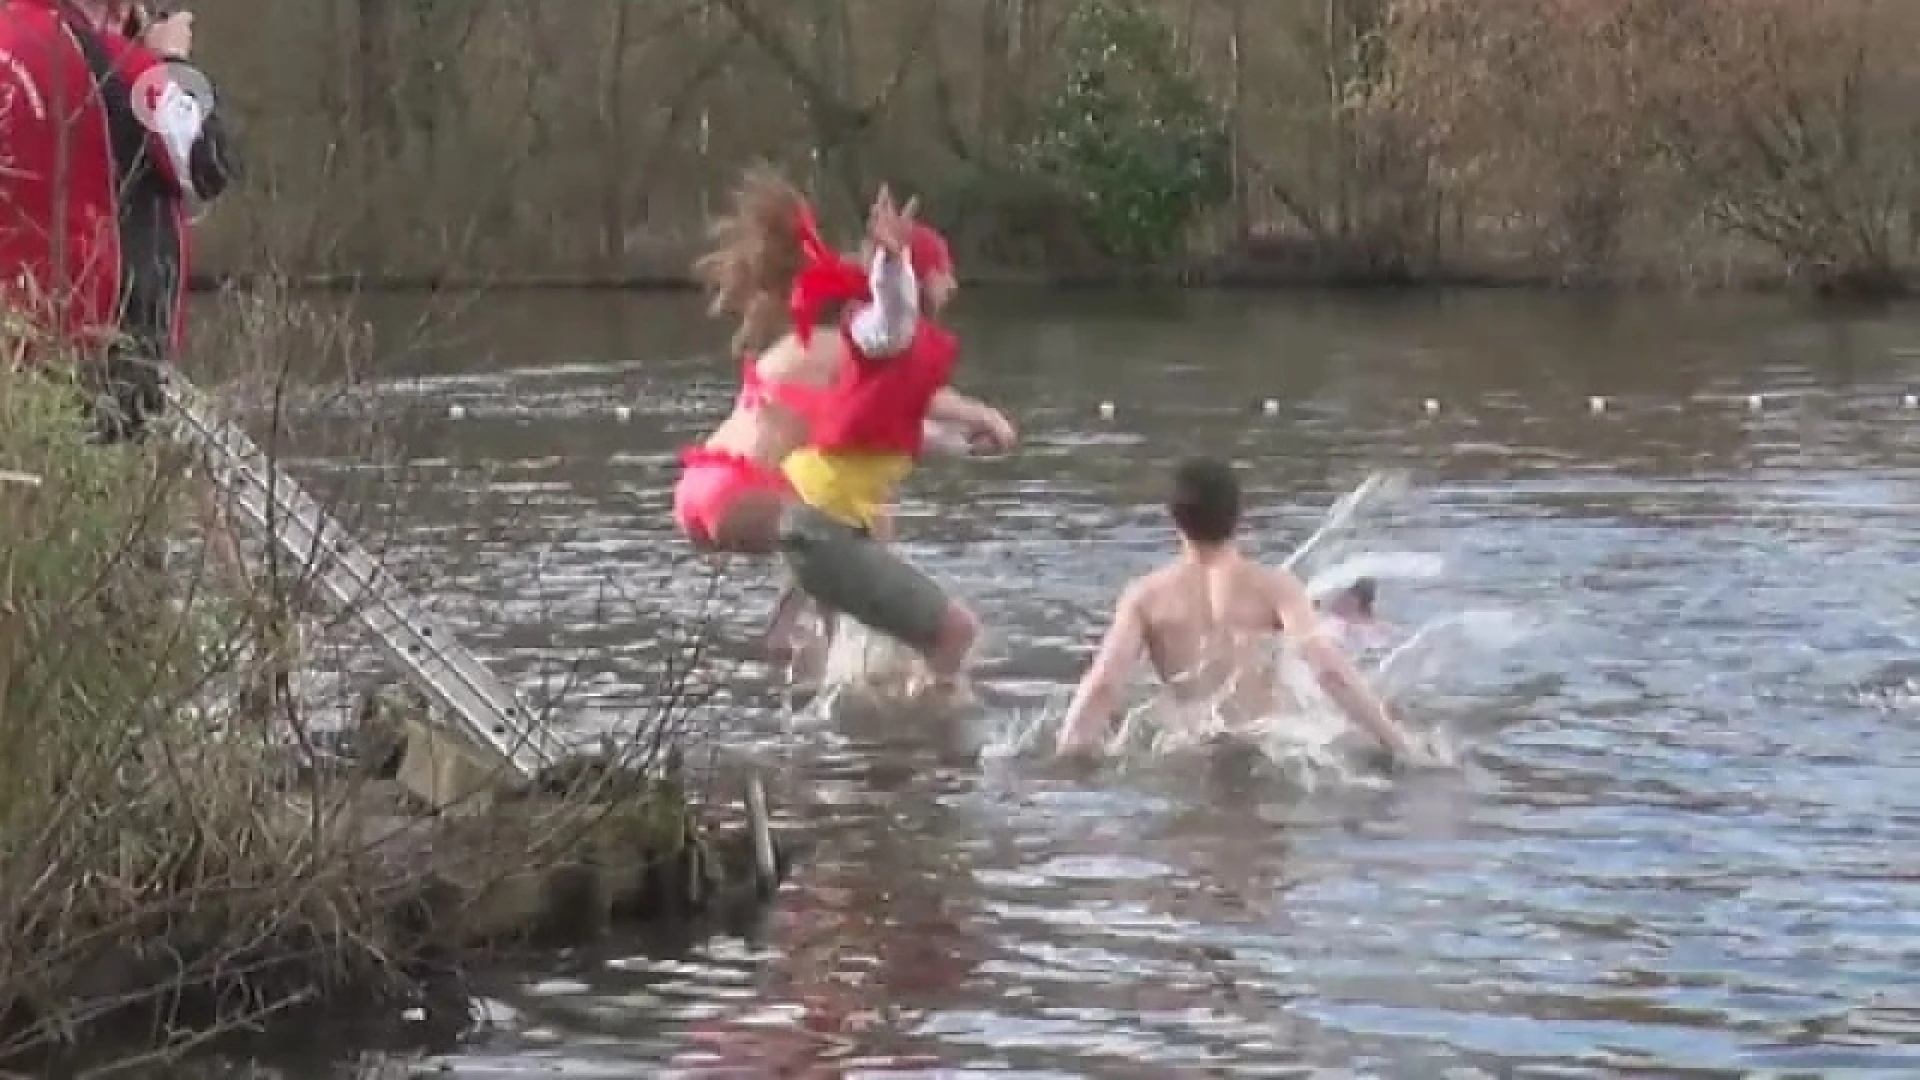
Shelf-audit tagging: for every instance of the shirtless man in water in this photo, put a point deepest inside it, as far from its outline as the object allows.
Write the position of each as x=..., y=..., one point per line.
x=1356, y=623
x=1196, y=616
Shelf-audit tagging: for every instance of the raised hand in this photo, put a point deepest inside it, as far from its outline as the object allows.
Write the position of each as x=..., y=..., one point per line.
x=170, y=36
x=890, y=226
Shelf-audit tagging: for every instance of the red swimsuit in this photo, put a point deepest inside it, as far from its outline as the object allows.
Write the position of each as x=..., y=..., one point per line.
x=711, y=479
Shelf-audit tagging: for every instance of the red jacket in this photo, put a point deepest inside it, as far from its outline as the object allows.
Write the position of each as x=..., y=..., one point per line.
x=880, y=405
x=93, y=232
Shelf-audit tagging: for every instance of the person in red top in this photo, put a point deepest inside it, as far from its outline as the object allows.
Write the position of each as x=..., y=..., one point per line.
x=107, y=133
x=731, y=493
x=804, y=388
x=862, y=445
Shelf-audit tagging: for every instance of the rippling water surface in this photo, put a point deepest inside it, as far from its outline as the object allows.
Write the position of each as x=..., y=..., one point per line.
x=1684, y=843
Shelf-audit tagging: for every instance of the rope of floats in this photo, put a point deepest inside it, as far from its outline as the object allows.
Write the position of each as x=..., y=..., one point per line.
x=1107, y=410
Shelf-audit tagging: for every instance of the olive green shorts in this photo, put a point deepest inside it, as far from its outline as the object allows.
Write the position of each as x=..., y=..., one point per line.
x=847, y=570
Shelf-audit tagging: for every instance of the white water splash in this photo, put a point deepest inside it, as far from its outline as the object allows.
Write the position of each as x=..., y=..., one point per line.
x=1378, y=491
x=1437, y=646
x=1274, y=705
x=864, y=660
x=1380, y=566
x=857, y=664
x=1298, y=730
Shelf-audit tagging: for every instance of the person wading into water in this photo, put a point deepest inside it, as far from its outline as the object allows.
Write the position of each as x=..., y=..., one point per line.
x=1354, y=619
x=1201, y=620
x=828, y=424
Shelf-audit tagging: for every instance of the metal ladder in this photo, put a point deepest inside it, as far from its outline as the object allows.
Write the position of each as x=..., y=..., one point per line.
x=492, y=716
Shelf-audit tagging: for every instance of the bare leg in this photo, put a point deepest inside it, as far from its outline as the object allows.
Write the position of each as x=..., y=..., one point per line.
x=751, y=526
x=959, y=631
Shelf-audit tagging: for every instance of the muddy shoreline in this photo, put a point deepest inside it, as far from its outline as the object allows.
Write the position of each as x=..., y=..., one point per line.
x=448, y=882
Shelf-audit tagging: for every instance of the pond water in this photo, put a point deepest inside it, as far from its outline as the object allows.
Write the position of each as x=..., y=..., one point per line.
x=1686, y=837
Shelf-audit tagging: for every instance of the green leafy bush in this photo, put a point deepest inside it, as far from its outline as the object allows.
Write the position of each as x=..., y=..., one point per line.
x=1128, y=136
x=91, y=652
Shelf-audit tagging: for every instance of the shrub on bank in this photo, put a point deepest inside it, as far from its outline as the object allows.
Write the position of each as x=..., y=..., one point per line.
x=171, y=853
x=146, y=856
x=1130, y=131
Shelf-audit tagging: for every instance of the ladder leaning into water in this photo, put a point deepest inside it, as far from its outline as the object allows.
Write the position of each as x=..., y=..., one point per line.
x=492, y=716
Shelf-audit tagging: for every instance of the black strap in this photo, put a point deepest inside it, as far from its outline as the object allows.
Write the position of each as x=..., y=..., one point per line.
x=125, y=133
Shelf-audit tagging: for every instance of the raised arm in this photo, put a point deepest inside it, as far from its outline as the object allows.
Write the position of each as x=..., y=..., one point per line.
x=1335, y=670
x=194, y=151
x=1098, y=694
x=885, y=325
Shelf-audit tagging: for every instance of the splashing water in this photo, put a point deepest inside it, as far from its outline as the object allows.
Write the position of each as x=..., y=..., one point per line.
x=1295, y=731
x=1344, y=517
x=1270, y=703
x=1436, y=646
x=1381, y=566
x=860, y=660
x=855, y=663
x=1300, y=733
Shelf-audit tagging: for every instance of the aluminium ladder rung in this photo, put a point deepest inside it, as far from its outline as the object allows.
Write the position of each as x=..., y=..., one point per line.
x=425, y=649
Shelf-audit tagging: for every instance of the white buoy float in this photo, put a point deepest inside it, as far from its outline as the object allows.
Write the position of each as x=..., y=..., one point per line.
x=1106, y=410
x=623, y=414
x=456, y=412
x=1596, y=404
x=1756, y=401
x=1270, y=407
x=1911, y=401
x=1431, y=405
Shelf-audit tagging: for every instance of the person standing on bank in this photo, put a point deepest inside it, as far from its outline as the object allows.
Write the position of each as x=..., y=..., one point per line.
x=108, y=134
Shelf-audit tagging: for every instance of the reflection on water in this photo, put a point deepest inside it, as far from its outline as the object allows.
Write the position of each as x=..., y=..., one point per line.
x=1682, y=842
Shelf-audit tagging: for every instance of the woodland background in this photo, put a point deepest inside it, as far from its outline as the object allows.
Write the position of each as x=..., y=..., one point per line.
x=1554, y=141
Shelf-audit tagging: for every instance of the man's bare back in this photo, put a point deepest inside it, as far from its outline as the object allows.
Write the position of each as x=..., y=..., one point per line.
x=1207, y=620
x=1210, y=627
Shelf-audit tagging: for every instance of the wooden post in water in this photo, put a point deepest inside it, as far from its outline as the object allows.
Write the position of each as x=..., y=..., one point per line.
x=766, y=866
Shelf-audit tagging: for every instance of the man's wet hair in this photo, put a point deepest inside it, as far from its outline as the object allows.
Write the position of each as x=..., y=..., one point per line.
x=1363, y=592
x=1205, y=502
